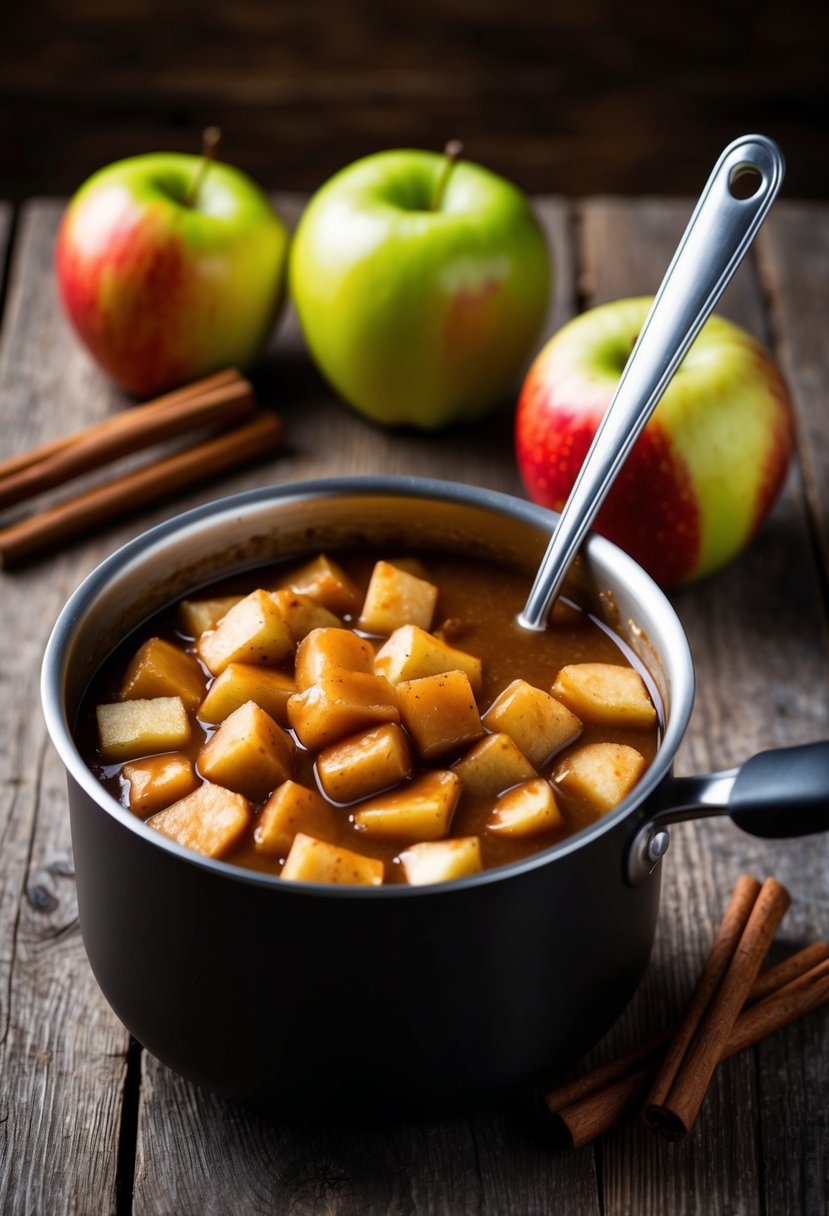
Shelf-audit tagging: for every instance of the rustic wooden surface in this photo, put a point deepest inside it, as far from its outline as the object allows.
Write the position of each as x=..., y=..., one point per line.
x=90, y=1123
x=571, y=98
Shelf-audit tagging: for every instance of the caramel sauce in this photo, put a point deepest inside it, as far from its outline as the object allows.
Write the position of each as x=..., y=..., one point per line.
x=477, y=606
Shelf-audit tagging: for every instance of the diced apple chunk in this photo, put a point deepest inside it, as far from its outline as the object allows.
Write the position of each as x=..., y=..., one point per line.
x=325, y=651
x=301, y=613
x=196, y=616
x=327, y=583
x=527, y=810
x=158, y=781
x=249, y=753
x=253, y=631
x=441, y=860
x=291, y=808
x=340, y=704
x=411, y=653
x=364, y=764
x=313, y=860
x=241, y=682
x=210, y=820
x=493, y=765
x=599, y=775
x=439, y=712
x=160, y=669
x=537, y=723
x=394, y=598
x=420, y=811
x=128, y=729
x=605, y=694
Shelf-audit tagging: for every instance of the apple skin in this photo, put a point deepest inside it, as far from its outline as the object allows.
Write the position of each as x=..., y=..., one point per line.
x=707, y=467
x=162, y=292
x=416, y=316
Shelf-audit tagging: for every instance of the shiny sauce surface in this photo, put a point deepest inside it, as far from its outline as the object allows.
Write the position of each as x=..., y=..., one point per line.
x=478, y=604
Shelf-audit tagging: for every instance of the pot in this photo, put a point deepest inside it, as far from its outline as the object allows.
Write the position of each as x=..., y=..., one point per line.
x=312, y=1000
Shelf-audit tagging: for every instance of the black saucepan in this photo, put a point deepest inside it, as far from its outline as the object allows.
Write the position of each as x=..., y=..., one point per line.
x=307, y=999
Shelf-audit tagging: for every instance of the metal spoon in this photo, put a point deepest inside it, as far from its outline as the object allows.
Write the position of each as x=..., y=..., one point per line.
x=717, y=238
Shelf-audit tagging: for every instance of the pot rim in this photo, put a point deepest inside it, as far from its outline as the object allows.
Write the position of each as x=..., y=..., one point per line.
x=138, y=550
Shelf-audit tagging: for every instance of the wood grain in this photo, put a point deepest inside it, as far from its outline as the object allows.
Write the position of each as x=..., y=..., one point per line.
x=793, y=254
x=574, y=99
x=62, y=1052
x=758, y=632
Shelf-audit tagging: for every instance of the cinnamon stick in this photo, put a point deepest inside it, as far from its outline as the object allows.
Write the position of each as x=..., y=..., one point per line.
x=13, y=464
x=734, y=921
x=601, y=1108
x=674, y=1112
x=253, y=439
x=220, y=405
x=789, y=969
x=648, y=1053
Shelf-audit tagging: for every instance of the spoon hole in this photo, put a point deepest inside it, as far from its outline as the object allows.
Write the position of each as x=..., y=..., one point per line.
x=744, y=181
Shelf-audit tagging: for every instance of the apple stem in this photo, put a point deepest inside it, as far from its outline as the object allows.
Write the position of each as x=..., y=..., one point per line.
x=452, y=152
x=210, y=140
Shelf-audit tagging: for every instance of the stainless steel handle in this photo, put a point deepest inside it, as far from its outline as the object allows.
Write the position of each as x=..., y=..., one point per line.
x=718, y=235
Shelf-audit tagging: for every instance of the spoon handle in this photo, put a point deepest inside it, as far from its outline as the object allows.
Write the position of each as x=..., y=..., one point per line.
x=717, y=238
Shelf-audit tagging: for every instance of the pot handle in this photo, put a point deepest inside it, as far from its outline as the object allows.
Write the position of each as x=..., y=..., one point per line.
x=779, y=793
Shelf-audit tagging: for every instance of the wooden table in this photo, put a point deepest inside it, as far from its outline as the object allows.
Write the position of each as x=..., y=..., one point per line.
x=90, y=1123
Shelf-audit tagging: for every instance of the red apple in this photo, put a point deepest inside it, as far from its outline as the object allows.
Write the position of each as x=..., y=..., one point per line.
x=169, y=269
x=706, y=469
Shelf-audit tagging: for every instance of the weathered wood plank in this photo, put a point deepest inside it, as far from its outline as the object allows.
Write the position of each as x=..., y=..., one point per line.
x=487, y=1163
x=6, y=214
x=61, y=1050
x=578, y=99
x=759, y=642
x=793, y=255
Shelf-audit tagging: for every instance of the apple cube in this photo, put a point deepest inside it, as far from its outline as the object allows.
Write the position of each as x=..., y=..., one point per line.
x=128, y=729
x=599, y=775
x=365, y=763
x=340, y=703
x=420, y=811
x=241, y=682
x=439, y=712
x=211, y=820
x=394, y=598
x=160, y=669
x=327, y=583
x=158, y=781
x=537, y=723
x=526, y=810
x=441, y=860
x=411, y=653
x=493, y=765
x=313, y=860
x=253, y=631
x=301, y=613
x=249, y=753
x=197, y=616
x=325, y=651
x=605, y=694
x=291, y=808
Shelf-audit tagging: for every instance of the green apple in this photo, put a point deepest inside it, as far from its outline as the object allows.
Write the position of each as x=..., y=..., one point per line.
x=421, y=286
x=169, y=268
x=707, y=467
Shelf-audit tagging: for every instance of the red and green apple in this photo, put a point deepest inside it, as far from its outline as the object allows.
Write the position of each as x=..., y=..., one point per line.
x=169, y=269
x=707, y=467
x=421, y=284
